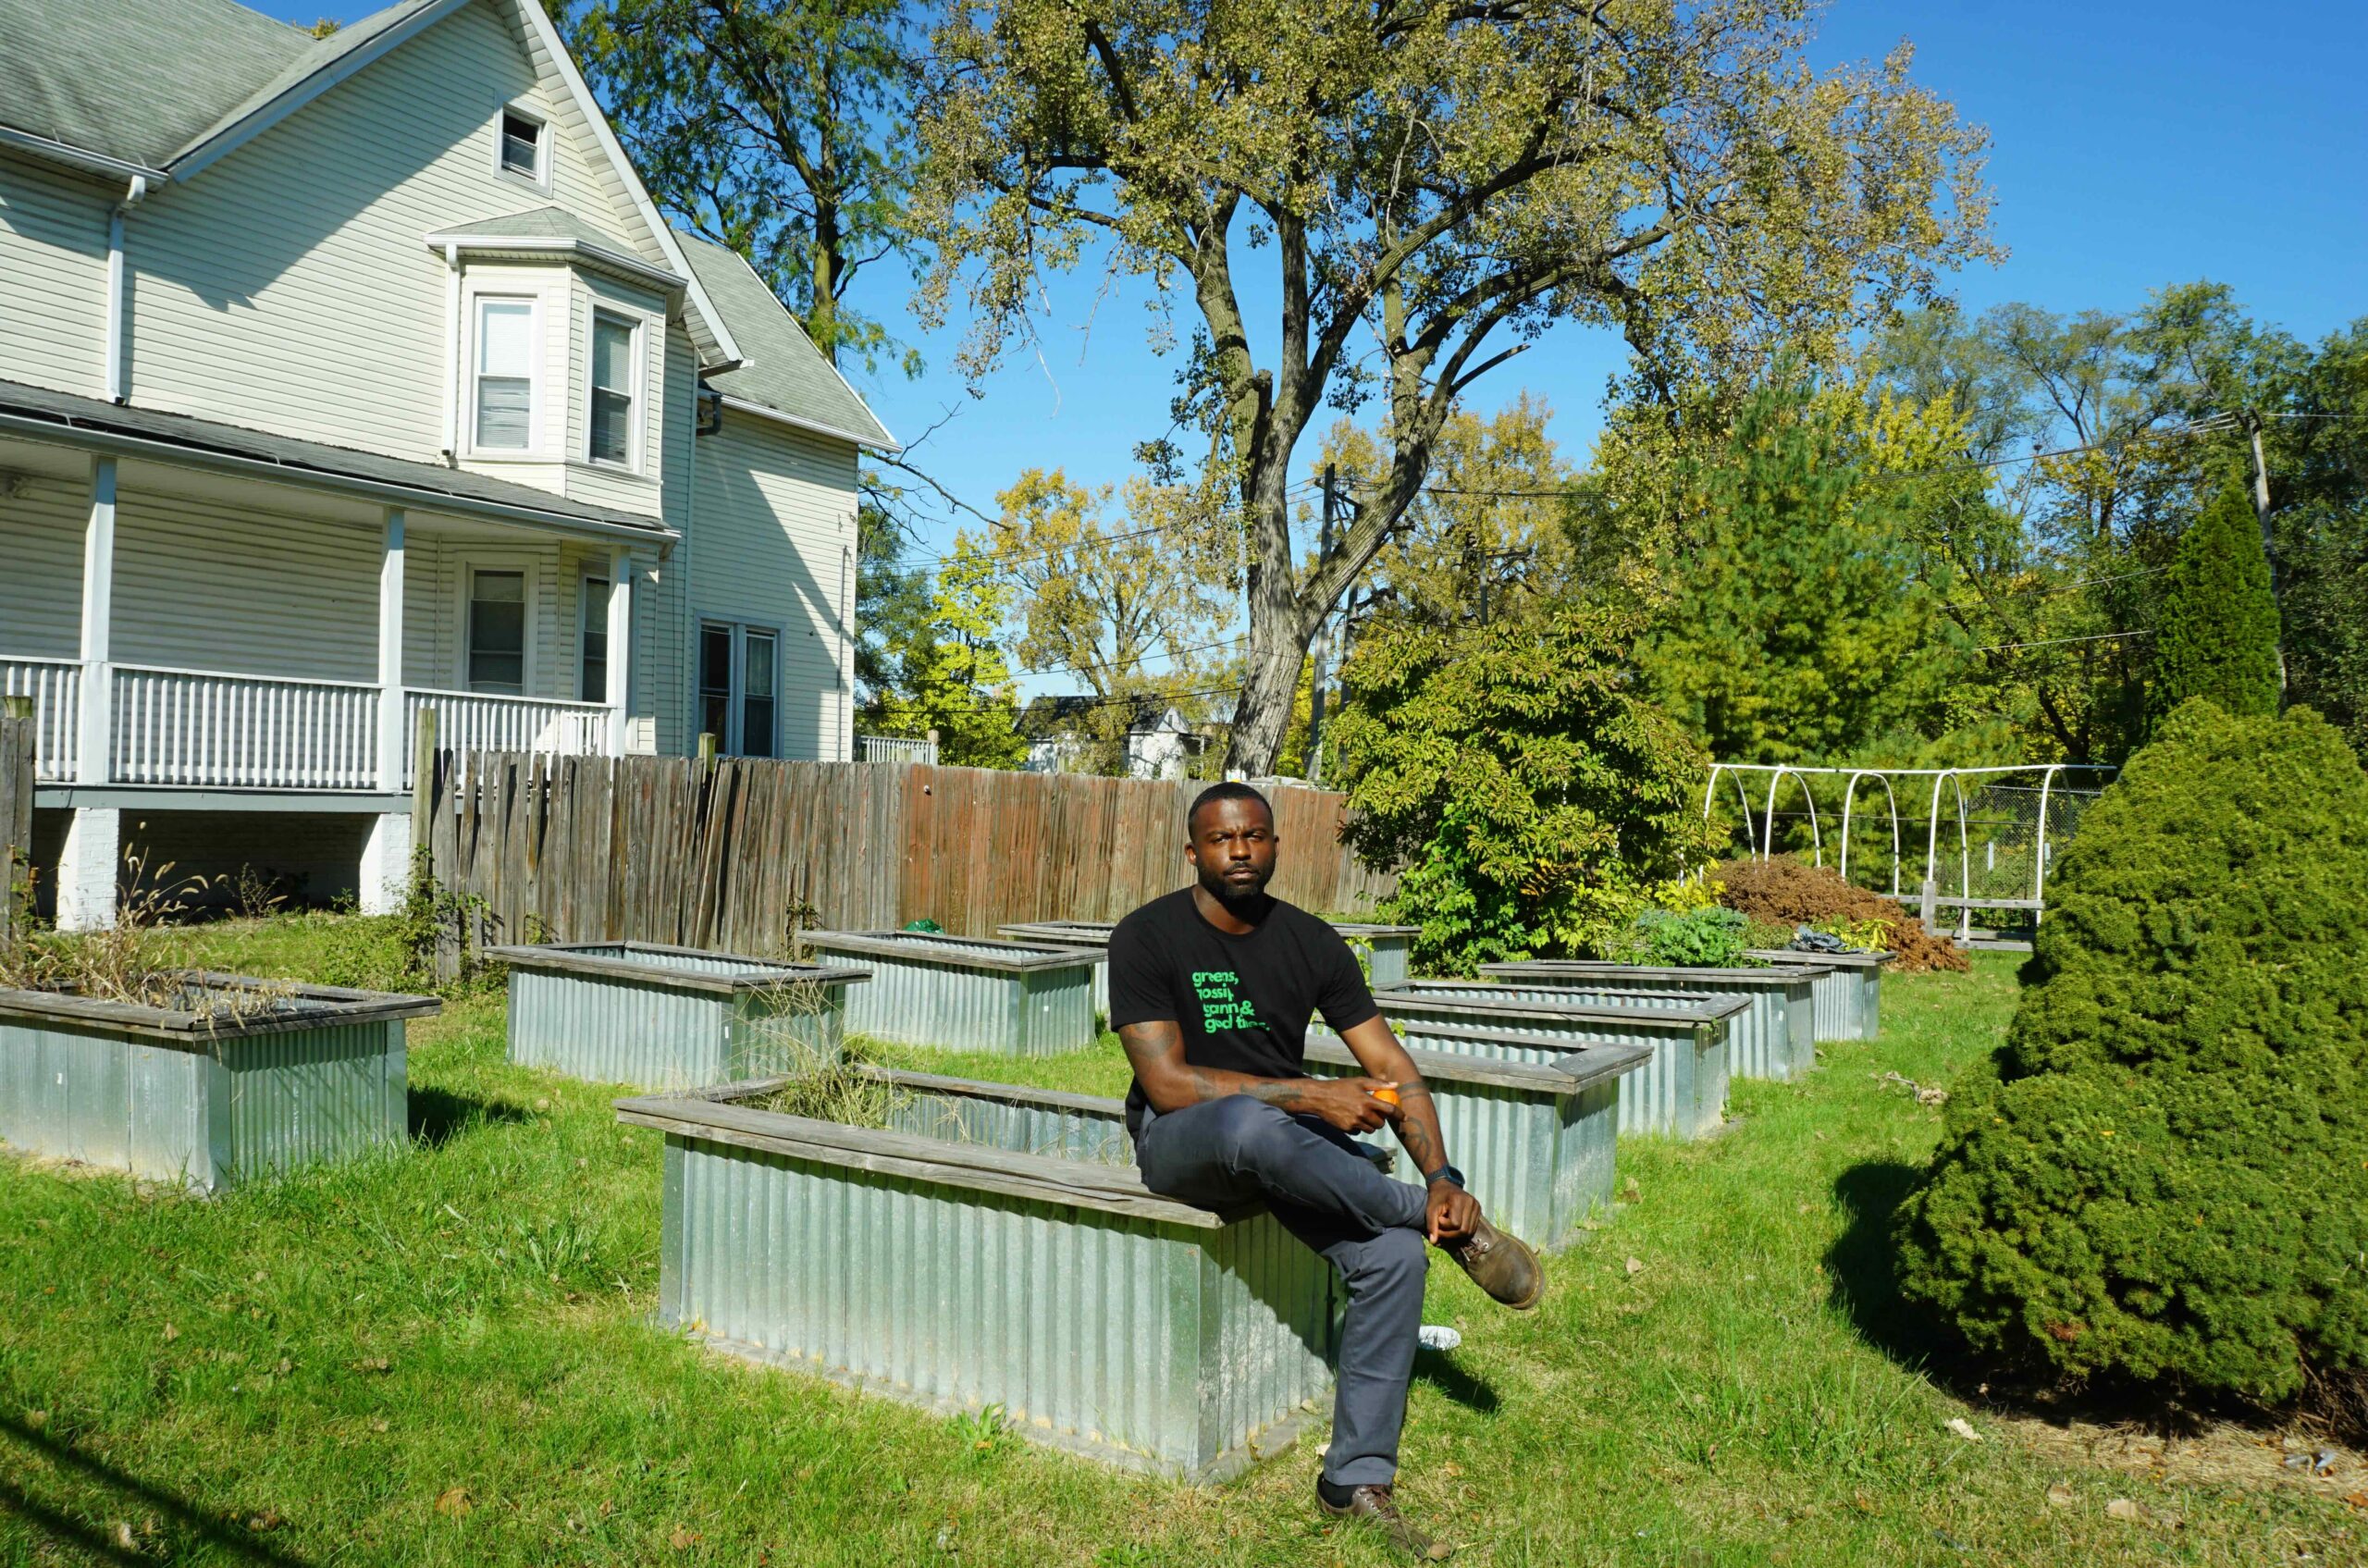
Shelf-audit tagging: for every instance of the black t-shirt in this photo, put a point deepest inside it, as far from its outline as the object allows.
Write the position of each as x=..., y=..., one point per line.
x=1242, y=1002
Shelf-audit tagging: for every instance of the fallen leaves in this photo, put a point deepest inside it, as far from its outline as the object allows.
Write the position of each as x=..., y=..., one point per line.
x=455, y=1503
x=2121, y=1508
x=171, y=1333
x=372, y=1363
x=2059, y=1496
x=1635, y=1265
x=1964, y=1428
x=682, y=1539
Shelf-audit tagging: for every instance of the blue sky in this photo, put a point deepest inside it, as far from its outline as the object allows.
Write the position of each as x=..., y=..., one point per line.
x=2134, y=145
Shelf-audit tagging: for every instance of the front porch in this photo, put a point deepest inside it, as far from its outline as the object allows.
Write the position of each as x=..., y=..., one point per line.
x=194, y=642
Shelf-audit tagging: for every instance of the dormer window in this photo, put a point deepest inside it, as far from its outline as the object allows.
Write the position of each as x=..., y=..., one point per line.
x=523, y=143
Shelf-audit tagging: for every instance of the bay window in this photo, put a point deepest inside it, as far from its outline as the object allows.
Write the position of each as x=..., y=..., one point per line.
x=504, y=395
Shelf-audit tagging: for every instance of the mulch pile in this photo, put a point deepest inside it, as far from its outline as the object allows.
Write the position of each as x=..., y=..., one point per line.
x=1784, y=889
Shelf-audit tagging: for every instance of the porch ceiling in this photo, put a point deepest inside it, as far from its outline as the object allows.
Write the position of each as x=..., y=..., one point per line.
x=43, y=414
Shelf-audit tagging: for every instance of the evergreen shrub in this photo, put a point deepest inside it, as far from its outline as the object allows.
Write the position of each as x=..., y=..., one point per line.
x=2165, y=1175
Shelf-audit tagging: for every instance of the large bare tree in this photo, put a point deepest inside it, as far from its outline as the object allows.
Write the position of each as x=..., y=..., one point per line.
x=1426, y=187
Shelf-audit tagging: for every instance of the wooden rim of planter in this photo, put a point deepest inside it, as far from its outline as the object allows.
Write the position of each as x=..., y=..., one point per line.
x=713, y=1115
x=1574, y=969
x=1701, y=1002
x=1366, y=927
x=325, y=1007
x=587, y=958
x=1707, y=1010
x=1699, y=1033
x=1582, y=1066
x=932, y=947
x=1789, y=958
x=1093, y=934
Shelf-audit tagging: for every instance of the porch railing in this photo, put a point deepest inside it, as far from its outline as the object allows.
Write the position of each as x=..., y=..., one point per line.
x=252, y=732
x=55, y=686
x=475, y=720
x=898, y=748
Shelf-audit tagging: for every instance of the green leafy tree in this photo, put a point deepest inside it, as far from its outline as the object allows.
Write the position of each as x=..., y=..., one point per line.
x=893, y=604
x=780, y=128
x=2165, y=1178
x=1424, y=189
x=2217, y=637
x=1532, y=798
x=1802, y=625
x=953, y=676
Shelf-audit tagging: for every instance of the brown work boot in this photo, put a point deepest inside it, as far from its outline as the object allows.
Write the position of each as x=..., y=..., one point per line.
x=1503, y=1266
x=1377, y=1507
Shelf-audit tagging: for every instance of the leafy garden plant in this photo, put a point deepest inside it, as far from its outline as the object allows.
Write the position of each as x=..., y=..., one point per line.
x=2166, y=1177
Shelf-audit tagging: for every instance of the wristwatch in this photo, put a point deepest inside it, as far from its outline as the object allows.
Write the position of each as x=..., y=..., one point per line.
x=1445, y=1173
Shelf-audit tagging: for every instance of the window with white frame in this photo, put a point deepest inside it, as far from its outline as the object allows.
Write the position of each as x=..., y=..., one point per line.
x=615, y=344
x=739, y=669
x=504, y=396
x=498, y=632
x=592, y=641
x=521, y=145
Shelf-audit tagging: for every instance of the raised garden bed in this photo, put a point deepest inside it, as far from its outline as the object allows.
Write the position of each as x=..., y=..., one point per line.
x=1387, y=949
x=245, y=1078
x=1776, y=1038
x=1848, y=997
x=670, y=1018
x=992, y=1246
x=965, y=994
x=1681, y=1091
x=1534, y=1139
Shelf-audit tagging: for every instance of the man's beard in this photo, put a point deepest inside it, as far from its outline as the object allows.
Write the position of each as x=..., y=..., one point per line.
x=1241, y=901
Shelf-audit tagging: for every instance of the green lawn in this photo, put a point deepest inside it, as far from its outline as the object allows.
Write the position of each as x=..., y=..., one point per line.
x=444, y=1358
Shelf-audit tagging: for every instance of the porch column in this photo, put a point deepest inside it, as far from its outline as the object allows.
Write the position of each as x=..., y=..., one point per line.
x=620, y=646
x=87, y=865
x=386, y=854
x=96, y=718
x=394, y=749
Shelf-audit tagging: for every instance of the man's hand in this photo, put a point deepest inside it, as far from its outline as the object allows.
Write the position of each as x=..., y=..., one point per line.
x=1346, y=1103
x=1449, y=1213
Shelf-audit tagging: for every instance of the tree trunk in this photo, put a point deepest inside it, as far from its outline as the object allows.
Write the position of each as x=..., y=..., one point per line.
x=1279, y=625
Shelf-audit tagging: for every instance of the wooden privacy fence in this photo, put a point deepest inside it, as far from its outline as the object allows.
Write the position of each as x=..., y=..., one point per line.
x=15, y=811
x=733, y=854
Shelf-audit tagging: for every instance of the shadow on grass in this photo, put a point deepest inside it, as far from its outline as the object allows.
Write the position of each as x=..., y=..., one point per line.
x=1439, y=1369
x=98, y=1540
x=1863, y=1264
x=437, y=1115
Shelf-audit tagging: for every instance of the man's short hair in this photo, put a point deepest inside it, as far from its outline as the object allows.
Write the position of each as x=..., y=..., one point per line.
x=1231, y=789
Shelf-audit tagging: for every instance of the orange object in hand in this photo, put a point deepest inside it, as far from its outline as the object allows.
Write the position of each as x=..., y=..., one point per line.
x=1386, y=1095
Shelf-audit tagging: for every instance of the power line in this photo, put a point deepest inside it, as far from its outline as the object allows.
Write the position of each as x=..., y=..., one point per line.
x=2052, y=642
x=1294, y=492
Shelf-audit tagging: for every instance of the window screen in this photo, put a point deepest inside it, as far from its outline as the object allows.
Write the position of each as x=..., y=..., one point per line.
x=498, y=632
x=505, y=374
x=612, y=390
x=521, y=145
x=757, y=694
x=592, y=680
x=715, y=684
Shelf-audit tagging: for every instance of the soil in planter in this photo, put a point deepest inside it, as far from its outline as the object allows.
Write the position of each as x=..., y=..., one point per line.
x=1784, y=891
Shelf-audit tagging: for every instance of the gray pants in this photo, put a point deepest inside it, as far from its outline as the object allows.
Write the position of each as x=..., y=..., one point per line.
x=1340, y=1203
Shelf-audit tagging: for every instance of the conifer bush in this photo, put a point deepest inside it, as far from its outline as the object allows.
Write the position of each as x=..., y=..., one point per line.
x=2165, y=1175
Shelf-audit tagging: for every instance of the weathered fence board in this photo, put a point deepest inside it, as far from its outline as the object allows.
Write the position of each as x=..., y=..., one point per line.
x=737, y=854
x=16, y=810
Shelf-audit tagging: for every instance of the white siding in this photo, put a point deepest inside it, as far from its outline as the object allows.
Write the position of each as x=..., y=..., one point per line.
x=776, y=515
x=665, y=616
x=53, y=264
x=41, y=569
x=599, y=484
x=287, y=287
x=203, y=586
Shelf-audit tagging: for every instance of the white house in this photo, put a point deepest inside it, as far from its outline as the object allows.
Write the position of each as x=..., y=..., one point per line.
x=1160, y=743
x=344, y=378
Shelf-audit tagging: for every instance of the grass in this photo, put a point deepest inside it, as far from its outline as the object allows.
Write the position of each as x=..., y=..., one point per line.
x=444, y=1357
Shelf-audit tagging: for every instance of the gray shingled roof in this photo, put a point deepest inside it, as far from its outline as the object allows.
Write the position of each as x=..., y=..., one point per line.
x=67, y=412
x=320, y=54
x=781, y=369
x=136, y=79
x=535, y=223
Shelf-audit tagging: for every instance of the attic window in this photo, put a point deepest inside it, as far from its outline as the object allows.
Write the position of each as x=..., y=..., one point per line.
x=522, y=145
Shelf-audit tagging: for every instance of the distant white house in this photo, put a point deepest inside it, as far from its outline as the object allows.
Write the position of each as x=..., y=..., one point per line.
x=1160, y=743
x=346, y=378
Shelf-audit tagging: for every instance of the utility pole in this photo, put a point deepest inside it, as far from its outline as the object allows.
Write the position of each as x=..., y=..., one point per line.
x=2261, y=511
x=1314, y=766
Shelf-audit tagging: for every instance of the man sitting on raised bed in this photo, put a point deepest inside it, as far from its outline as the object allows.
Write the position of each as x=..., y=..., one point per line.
x=1210, y=989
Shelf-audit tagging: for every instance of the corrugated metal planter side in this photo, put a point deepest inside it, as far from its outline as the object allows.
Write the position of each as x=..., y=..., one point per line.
x=1680, y=1093
x=208, y=1109
x=1848, y=996
x=1387, y=949
x=659, y=1018
x=958, y=995
x=1535, y=1142
x=1091, y=936
x=1778, y=1039
x=1165, y=1338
